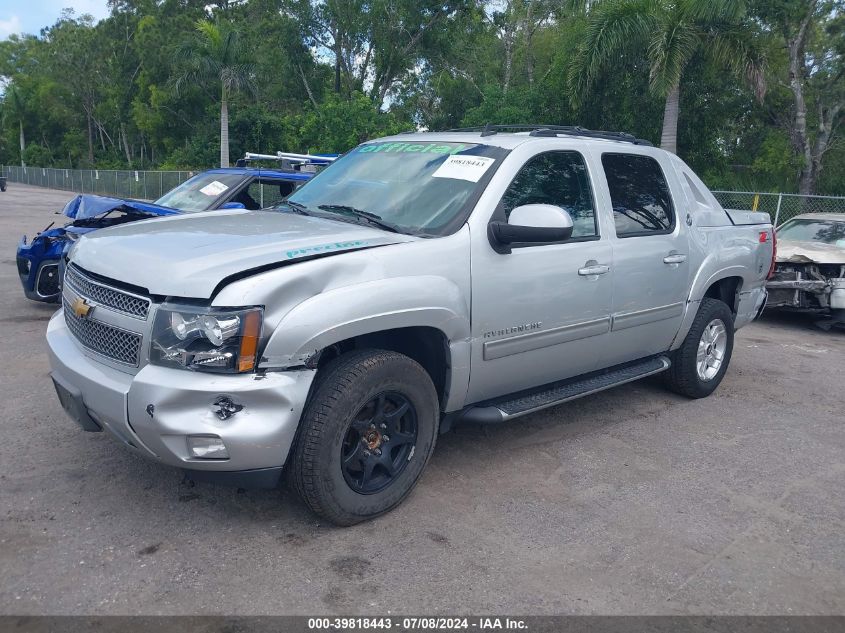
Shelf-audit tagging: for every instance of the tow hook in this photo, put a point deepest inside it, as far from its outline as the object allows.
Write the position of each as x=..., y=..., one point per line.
x=224, y=407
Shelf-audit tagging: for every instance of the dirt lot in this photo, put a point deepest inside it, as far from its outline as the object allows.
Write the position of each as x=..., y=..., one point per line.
x=631, y=501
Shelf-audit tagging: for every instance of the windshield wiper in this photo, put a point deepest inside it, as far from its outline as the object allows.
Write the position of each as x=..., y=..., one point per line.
x=296, y=207
x=372, y=218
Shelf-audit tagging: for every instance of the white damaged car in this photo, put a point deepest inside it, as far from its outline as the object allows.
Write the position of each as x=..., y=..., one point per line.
x=810, y=270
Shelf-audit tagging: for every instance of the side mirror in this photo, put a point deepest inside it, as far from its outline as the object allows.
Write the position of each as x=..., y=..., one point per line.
x=533, y=224
x=233, y=205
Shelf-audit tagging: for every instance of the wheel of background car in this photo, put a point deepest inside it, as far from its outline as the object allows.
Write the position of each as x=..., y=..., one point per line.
x=366, y=434
x=701, y=361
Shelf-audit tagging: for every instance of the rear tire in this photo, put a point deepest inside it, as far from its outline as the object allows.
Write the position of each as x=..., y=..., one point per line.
x=701, y=361
x=367, y=433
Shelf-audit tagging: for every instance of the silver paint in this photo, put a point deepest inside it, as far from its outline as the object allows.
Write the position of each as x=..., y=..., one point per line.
x=596, y=303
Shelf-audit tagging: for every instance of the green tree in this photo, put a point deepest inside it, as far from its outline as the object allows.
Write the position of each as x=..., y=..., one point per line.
x=812, y=32
x=339, y=124
x=15, y=109
x=217, y=57
x=672, y=33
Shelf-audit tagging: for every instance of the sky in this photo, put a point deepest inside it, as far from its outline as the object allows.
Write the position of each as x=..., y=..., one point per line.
x=30, y=16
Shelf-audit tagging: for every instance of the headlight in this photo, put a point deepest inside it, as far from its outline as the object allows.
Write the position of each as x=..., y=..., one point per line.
x=208, y=339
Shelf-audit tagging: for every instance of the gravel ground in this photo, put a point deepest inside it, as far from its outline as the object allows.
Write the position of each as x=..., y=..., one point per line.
x=633, y=501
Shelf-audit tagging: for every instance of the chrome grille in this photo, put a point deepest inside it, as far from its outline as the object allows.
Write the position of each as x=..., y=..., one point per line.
x=118, y=301
x=112, y=342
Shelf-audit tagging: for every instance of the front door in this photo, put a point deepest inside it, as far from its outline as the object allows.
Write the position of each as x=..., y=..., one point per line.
x=650, y=258
x=541, y=313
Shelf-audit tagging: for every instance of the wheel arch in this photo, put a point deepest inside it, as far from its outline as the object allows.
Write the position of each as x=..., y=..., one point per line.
x=726, y=290
x=425, y=318
x=724, y=285
x=426, y=345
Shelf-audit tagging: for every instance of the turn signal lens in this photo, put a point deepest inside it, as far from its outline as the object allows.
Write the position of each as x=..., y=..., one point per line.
x=249, y=341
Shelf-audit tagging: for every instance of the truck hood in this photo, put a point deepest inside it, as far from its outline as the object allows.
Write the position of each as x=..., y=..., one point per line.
x=87, y=206
x=190, y=255
x=795, y=252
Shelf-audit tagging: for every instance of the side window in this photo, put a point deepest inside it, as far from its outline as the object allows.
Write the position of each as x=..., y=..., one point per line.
x=249, y=196
x=269, y=193
x=639, y=194
x=558, y=178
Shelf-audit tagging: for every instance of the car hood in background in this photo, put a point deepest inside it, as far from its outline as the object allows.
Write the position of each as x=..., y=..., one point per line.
x=794, y=252
x=87, y=206
x=189, y=255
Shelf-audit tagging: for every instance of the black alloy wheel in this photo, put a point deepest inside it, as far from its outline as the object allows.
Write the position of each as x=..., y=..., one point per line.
x=378, y=443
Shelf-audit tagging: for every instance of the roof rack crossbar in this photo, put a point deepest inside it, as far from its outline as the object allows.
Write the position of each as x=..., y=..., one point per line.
x=303, y=158
x=537, y=129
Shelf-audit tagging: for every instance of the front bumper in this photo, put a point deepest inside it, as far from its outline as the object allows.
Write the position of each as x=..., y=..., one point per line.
x=38, y=269
x=153, y=411
x=807, y=294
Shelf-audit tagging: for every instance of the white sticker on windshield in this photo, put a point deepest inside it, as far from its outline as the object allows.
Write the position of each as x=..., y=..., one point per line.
x=214, y=188
x=464, y=167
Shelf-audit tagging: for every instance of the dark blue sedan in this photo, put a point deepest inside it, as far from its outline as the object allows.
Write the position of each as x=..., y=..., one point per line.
x=226, y=188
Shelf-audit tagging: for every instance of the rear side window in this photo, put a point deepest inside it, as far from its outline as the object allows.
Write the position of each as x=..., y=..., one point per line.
x=560, y=179
x=639, y=194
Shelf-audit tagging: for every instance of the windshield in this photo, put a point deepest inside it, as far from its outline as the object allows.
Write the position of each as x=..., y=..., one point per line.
x=415, y=187
x=199, y=192
x=827, y=231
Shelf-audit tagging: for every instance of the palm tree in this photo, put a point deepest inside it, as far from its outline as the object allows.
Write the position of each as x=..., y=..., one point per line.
x=16, y=109
x=217, y=57
x=671, y=33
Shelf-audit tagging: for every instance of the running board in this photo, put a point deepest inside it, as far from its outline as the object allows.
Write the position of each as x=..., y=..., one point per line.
x=525, y=402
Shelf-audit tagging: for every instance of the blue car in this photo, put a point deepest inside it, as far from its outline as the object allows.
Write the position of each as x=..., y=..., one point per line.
x=240, y=187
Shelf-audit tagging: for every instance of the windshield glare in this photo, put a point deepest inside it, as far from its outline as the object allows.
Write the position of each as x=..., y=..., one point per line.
x=419, y=187
x=200, y=192
x=827, y=231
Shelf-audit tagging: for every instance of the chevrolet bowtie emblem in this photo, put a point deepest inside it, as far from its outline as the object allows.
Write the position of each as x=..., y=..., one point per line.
x=81, y=308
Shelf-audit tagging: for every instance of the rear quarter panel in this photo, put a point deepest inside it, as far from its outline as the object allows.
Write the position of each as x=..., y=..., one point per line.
x=721, y=247
x=729, y=251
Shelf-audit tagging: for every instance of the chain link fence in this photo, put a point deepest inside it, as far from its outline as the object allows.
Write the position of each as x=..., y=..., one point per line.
x=143, y=185
x=780, y=206
x=151, y=185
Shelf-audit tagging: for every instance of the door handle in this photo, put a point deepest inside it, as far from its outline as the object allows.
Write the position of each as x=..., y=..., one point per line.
x=675, y=258
x=593, y=270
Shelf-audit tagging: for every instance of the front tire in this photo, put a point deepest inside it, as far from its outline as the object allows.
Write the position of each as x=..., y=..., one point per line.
x=699, y=365
x=367, y=433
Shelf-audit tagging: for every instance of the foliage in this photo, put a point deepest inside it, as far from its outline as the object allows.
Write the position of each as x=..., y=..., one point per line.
x=671, y=33
x=146, y=87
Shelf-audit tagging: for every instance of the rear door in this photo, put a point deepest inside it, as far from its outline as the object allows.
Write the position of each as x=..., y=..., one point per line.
x=650, y=257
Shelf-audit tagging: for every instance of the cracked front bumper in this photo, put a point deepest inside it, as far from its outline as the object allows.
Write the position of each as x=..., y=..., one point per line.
x=153, y=411
x=807, y=294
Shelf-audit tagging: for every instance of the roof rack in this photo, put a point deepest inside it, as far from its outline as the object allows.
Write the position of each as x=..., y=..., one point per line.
x=537, y=129
x=289, y=160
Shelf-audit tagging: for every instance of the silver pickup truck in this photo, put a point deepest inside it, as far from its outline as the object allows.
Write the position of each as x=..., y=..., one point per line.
x=421, y=281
